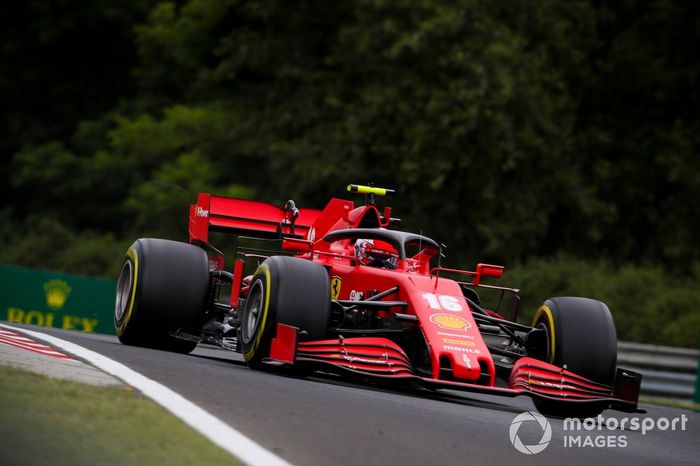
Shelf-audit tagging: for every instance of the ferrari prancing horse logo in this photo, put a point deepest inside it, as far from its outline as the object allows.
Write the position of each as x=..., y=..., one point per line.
x=336, y=282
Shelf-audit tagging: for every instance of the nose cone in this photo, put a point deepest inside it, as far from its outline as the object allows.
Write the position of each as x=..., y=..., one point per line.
x=464, y=365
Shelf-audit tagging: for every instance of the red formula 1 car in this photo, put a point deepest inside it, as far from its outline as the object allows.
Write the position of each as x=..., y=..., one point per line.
x=344, y=293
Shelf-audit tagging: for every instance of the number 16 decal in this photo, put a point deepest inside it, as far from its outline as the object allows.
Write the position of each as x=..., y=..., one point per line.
x=442, y=301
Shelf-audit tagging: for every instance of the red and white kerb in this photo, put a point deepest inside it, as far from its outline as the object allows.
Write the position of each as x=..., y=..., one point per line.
x=19, y=341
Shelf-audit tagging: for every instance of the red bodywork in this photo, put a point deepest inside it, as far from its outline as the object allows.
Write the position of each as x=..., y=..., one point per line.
x=434, y=304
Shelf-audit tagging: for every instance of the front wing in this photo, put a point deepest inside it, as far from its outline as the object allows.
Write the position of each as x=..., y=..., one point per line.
x=383, y=360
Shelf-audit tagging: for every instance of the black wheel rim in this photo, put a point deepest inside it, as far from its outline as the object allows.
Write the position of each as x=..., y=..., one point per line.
x=124, y=286
x=252, y=312
x=548, y=340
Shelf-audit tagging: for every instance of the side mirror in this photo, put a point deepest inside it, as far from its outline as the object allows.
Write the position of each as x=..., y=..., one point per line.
x=487, y=270
x=297, y=245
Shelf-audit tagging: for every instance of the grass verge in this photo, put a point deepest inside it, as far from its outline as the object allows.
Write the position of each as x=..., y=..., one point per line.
x=44, y=421
x=670, y=403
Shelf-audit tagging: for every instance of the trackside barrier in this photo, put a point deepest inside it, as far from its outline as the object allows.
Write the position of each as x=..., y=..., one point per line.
x=667, y=371
x=56, y=299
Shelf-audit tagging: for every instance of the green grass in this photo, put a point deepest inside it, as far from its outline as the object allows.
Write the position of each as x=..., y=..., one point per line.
x=45, y=421
x=670, y=403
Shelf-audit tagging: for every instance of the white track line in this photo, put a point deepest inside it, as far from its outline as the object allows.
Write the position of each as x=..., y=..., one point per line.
x=220, y=433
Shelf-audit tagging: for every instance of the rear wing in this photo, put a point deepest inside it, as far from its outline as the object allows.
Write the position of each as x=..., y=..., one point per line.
x=248, y=218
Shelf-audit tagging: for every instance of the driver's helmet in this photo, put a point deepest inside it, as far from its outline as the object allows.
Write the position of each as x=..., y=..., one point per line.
x=369, y=253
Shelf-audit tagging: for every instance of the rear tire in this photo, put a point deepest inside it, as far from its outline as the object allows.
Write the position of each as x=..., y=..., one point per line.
x=163, y=285
x=581, y=337
x=284, y=290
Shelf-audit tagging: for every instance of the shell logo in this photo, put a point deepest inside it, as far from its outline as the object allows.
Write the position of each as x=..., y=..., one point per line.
x=450, y=322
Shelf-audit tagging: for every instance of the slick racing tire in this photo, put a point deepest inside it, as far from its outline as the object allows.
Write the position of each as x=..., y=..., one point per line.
x=284, y=290
x=581, y=337
x=163, y=285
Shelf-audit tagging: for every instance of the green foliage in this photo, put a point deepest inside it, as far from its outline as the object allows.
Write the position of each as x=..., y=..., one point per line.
x=46, y=243
x=140, y=182
x=511, y=130
x=160, y=204
x=62, y=62
x=646, y=303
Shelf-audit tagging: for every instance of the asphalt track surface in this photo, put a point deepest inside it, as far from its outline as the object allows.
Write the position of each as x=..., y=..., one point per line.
x=323, y=421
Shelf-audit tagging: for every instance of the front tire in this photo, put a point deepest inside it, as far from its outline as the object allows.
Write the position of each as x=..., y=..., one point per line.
x=581, y=337
x=163, y=285
x=284, y=290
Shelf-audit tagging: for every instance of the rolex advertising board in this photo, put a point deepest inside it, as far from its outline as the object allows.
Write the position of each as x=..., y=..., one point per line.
x=56, y=299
